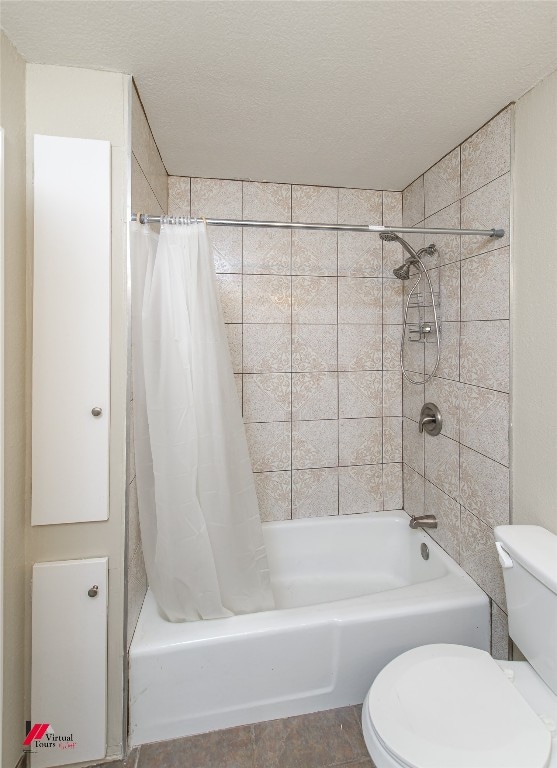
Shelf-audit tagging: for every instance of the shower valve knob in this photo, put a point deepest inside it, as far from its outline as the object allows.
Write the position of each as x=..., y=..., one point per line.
x=96, y=411
x=93, y=591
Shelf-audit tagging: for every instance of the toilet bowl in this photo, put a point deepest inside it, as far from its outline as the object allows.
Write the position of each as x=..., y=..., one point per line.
x=451, y=706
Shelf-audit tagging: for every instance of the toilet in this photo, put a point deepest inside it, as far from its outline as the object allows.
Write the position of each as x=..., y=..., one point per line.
x=451, y=706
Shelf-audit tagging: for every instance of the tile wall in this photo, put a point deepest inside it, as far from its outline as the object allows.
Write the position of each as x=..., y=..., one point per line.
x=149, y=194
x=462, y=475
x=313, y=319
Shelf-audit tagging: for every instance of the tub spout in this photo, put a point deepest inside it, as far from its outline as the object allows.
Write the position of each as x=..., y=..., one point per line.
x=423, y=521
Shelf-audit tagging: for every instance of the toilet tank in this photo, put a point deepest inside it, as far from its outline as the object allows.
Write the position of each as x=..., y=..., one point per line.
x=528, y=555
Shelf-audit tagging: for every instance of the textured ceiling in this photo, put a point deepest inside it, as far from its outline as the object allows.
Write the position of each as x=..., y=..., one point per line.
x=365, y=94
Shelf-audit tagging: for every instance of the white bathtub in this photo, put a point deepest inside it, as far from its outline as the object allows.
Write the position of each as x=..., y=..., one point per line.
x=351, y=593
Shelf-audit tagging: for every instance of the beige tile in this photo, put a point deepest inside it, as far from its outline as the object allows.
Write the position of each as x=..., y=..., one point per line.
x=227, y=248
x=449, y=364
x=234, y=335
x=392, y=393
x=147, y=155
x=314, y=252
x=266, y=202
x=178, y=196
x=478, y=556
x=359, y=300
x=216, y=198
x=230, y=748
x=448, y=246
x=393, y=292
x=446, y=396
x=143, y=199
x=267, y=299
x=499, y=633
x=274, y=494
x=485, y=286
x=412, y=446
x=449, y=292
x=314, y=300
x=413, y=355
x=392, y=209
x=484, y=422
x=413, y=205
x=359, y=347
x=392, y=335
x=314, y=204
x=392, y=486
x=360, y=441
x=393, y=257
x=484, y=354
x=360, y=489
x=314, y=348
x=487, y=154
x=230, y=294
x=392, y=439
x=239, y=388
x=266, y=348
x=314, y=492
x=266, y=251
x=447, y=512
x=413, y=491
x=442, y=183
x=413, y=398
x=269, y=445
x=360, y=394
x=314, y=396
x=360, y=254
x=360, y=206
x=486, y=208
x=442, y=463
x=484, y=487
x=314, y=444
x=267, y=397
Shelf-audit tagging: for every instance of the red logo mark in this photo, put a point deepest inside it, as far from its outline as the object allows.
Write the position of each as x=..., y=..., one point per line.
x=36, y=733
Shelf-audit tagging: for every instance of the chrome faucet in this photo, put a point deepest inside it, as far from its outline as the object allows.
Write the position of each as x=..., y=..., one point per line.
x=423, y=521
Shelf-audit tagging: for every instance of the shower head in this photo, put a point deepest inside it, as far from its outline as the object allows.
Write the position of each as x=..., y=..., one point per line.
x=389, y=237
x=403, y=272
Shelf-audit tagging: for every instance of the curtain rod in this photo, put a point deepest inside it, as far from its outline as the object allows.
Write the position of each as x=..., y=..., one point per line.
x=145, y=218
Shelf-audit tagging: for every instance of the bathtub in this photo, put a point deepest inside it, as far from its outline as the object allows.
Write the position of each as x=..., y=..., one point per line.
x=351, y=593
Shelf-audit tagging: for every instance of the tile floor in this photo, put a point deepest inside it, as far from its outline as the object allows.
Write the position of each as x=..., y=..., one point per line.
x=318, y=740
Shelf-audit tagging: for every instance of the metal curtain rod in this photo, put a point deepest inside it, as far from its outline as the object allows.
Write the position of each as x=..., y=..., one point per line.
x=145, y=218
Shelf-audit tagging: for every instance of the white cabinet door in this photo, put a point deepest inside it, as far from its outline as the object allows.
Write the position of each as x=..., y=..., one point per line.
x=71, y=330
x=69, y=656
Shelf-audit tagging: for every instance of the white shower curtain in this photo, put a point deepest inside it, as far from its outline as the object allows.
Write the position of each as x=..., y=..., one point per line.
x=199, y=517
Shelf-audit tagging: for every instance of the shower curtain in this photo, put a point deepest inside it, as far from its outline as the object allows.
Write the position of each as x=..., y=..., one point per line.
x=199, y=518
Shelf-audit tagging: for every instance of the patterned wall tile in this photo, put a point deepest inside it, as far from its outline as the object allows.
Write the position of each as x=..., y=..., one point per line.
x=484, y=422
x=449, y=363
x=227, y=248
x=216, y=198
x=412, y=446
x=442, y=183
x=392, y=393
x=274, y=494
x=392, y=439
x=267, y=397
x=486, y=208
x=392, y=486
x=393, y=291
x=392, y=335
x=484, y=487
x=147, y=154
x=269, y=445
x=266, y=347
x=499, y=633
x=360, y=489
x=267, y=299
x=359, y=300
x=478, y=556
x=266, y=252
x=442, y=463
x=239, y=388
x=314, y=204
x=360, y=394
x=314, y=396
x=485, y=286
x=314, y=252
x=314, y=300
x=392, y=209
x=484, y=353
x=314, y=492
x=414, y=489
x=178, y=196
x=449, y=291
x=266, y=202
x=359, y=254
x=314, y=348
x=448, y=246
x=359, y=347
x=447, y=512
x=360, y=206
x=230, y=294
x=413, y=203
x=234, y=335
x=360, y=441
x=314, y=444
x=446, y=396
x=413, y=356
x=413, y=398
x=487, y=154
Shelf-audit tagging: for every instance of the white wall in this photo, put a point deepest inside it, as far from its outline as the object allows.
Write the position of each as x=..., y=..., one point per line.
x=534, y=308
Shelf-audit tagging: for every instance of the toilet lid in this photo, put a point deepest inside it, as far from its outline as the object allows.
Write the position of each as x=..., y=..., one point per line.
x=450, y=706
